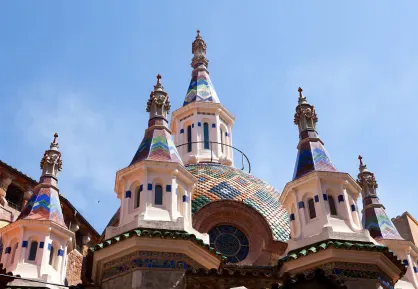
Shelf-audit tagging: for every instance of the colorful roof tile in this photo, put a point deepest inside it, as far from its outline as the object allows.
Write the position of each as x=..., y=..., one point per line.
x=201, y=88
x=374, y=216
x=157, y=144
x=45, y=203
x=359, y=246
x=151, y=233
x=220, y=182
x=312, y=155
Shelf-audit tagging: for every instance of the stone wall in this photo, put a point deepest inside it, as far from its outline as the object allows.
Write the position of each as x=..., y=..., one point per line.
x=74, y=267
x=147, y=279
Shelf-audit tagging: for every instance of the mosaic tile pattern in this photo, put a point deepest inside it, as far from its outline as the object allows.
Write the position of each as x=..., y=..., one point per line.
x=201, y=88
x=312, y=156
x=379, y=224
x=157, y=145
x=219, y=182
x=43, y=205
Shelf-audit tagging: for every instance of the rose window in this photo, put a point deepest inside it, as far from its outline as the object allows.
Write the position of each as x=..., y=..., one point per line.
x=230, y=242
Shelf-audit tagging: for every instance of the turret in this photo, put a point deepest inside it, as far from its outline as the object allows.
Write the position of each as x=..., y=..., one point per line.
x=202, y=128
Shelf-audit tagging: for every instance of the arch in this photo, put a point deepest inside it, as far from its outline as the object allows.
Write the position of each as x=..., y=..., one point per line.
x=158, y=195
x=33, y=248
x=206, y=135
x=332, y=206
x=247, y=220
x=311, y=208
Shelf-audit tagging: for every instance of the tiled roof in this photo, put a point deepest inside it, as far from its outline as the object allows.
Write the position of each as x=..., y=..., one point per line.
x=163, y=234
x=201, y=88
x=359, y=246
x=220, y=182
x=157, y=145
x=44, y=204
x=9, y=167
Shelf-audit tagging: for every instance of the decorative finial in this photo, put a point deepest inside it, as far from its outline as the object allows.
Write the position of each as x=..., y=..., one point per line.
x=198, y=34
x=302, y=98
x=362, y=168
x=158, y=86
x=55, y=137
x=361, y=160
x=51, y=161
x=199, y=52
x=158, y=78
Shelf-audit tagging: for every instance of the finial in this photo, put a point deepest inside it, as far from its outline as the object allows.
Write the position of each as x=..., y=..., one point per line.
x=158, y=86
x=302, y=98
x=55, y=138
x=158, y=78
x=362, y=167
x=198, y=33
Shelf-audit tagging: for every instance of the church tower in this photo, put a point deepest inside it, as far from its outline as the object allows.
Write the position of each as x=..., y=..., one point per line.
x=202, y=128
x=322, y=202
x=37, y=244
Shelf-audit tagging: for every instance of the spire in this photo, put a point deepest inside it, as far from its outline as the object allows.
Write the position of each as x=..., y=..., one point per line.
x=44, y=203
x=201, y=88
x=374, y=216
x=312, y=155
x=157, y=144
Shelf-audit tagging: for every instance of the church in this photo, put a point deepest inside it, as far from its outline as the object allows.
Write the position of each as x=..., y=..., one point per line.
x=188, y=218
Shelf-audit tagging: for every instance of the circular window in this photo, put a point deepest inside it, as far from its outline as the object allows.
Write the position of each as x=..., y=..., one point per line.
x=230, y=242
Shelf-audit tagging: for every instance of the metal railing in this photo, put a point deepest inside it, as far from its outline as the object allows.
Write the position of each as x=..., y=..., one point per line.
x=243, y=155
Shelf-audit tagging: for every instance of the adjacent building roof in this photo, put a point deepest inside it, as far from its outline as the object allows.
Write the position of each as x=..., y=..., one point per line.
x=220, y=182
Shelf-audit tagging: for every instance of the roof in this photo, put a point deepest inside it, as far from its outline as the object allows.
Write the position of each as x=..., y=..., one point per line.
x=157, y=145
x=377, y=221
x=16, y=171
x=312, y=156
x=201, y=88
x=337, y=244
x=220, y=182
x=44, y=205
x=152, y=233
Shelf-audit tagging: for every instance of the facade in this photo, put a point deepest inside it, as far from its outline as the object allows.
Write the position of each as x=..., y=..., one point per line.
x=189, y=219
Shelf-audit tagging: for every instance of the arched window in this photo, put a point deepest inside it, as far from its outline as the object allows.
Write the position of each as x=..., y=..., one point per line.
x=222, y=140
x=14, y=252
x=311, y=206
x=32, y=250
x=332, y=208
x=206, y=134
x=189, y=138
x=158, y=195
x=51, y=256
x=138, y=198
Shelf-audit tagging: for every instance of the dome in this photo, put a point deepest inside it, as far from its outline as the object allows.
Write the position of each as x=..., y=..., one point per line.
x=219, y=182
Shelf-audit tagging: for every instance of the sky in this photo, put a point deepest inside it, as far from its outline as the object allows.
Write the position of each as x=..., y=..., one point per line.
x=85, y=69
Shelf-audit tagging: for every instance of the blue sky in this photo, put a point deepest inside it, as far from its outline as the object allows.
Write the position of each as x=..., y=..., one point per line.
x=85, y=70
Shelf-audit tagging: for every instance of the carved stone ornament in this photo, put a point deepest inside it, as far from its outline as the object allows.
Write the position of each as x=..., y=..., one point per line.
x=308, y=113
x=367, y=180
x=54, y=160
x=160, y=100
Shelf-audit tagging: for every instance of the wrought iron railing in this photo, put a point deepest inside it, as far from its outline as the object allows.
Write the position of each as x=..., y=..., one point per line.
x=243, y=155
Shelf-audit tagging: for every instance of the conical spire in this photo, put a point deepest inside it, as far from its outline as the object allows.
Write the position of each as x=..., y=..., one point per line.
x=374, y=216
x=312, y=155
x=157, y=144
x=201, y=88
x=44, y=203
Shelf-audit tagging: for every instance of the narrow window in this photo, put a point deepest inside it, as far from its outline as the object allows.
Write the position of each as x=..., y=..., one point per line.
x=311, y=205
x=158, y=195
x=32, y=250
x=51, y=255
x=206, y=134
x=189, y=138
x=222, y=141
x=138, y=198
x=332, y=208
x=14, y=252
